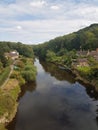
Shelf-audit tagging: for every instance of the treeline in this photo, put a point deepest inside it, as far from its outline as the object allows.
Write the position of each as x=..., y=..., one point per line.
x=85, y=39
x=25, y=50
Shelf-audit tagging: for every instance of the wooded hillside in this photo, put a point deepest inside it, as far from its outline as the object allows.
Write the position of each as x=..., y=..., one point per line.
x=86, y=38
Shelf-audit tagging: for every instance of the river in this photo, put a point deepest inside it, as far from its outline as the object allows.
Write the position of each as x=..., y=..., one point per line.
x=56, y=102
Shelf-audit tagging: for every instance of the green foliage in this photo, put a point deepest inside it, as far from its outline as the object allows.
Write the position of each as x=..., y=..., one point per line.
x=85, y=72
x=14, y=92
x=29, y=75
x=66, y=58
x=4, y=75
x=92, y=61
x=94, y=72
x=29, y=72
x=17, y=75
x=1, y=67
x=25, y=50
x=20, y=64
x=86, y=38
x=67, y=61
x=3, y=59
x=6, y=103
x=84, y=69
x=2, y=127
x=90, y=73
x=23, y=59
x=50, y=56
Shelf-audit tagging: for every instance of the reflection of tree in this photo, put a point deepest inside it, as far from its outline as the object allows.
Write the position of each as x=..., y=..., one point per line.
x=57, y=72
x=91, y=91
x=63, y=75
x=28, y=87
x=97, y=117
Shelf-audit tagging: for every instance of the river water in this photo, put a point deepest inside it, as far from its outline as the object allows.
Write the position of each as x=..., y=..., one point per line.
x=56, y=102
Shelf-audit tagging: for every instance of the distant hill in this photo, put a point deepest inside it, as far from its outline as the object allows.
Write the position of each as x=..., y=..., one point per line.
x=86, y=38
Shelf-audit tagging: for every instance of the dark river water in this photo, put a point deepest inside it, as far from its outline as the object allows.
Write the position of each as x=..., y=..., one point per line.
x=56, y=102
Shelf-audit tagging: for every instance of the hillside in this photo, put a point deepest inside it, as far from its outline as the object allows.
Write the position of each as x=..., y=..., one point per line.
x=86, y=38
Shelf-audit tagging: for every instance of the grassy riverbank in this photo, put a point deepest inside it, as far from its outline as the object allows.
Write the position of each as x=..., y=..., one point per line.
x=4, y=75
x=87, y=75
x=24, y=71
x=8, y=101
x=86, y=72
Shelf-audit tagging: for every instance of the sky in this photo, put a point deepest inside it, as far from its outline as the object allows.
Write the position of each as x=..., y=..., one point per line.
x=37, y=21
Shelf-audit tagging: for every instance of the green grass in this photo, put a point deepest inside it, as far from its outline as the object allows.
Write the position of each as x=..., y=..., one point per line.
x=2, y=127
x=6, y=103
x=84, y=69
x=8, y=100
x=14, y=92
x=4, y=75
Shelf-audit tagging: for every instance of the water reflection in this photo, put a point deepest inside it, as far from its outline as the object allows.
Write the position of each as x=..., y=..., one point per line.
x=28, y=87
x=63, y=75
x=62, y=104
x=58, y=73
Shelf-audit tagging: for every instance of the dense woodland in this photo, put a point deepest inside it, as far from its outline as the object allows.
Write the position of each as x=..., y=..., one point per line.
x=86, y=38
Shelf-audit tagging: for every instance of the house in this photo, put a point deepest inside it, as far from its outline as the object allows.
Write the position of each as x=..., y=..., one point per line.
x=94, y=54
x=82, y=53
x=13, y=55
x=82, y=62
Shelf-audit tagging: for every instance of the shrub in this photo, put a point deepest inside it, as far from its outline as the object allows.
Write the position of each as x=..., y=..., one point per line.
x=17, y=75
x=29, y=75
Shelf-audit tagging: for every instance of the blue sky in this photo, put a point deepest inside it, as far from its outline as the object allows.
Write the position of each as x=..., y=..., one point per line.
x=37, y=21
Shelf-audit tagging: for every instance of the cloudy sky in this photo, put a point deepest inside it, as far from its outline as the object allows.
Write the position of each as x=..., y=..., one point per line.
x=37, y=21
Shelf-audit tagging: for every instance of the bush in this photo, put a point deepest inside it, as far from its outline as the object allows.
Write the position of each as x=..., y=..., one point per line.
x=20, y=64
x=29, y=75
x=17, y=75
x=29, y=72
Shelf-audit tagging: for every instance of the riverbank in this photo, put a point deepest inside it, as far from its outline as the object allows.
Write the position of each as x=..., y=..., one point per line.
x=54, y=102
x=78, y=77
x=8, y=102
x=93, y=83
x=23, y=71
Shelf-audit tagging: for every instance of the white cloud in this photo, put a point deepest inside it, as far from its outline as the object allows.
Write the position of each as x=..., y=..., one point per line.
x=41, y=20
x=19, y=27
x=37, y=4
x=55, y=7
